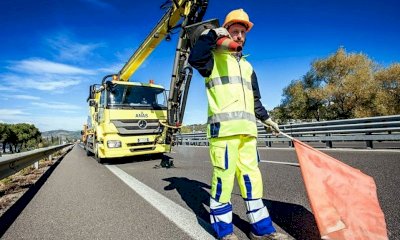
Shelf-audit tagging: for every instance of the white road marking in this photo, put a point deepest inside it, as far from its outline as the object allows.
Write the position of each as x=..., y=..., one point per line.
x=184, y=219
x=283, y=163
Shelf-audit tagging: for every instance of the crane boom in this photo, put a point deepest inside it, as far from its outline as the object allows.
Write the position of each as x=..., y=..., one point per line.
x=130, y=118
x=179, y=9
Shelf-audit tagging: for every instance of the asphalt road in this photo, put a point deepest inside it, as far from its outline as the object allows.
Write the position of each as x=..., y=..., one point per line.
x=85, y=200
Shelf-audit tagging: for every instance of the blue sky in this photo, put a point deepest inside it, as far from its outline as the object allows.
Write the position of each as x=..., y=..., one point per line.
x=51, y=51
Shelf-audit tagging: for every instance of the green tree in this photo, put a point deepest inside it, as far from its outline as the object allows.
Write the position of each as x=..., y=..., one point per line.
x=4, y=132
x=19, y=136
x=343, y=85
x=387, y=100
x=301, y=100
x=11, y=138
x=26, y=133
x=348, y=87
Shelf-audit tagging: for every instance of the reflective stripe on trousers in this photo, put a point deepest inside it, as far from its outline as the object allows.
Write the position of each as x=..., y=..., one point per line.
x=258, y=216
x=221, y=217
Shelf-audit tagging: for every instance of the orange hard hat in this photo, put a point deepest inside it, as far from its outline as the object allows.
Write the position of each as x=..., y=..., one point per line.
x=238, y=16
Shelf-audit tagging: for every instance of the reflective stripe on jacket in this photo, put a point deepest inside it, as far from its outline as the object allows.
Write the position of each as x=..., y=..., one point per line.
x=230, y=97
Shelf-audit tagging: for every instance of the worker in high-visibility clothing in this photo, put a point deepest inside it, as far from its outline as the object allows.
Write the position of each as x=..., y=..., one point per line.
x=233, y=106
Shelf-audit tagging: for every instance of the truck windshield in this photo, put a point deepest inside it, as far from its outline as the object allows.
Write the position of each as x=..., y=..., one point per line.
x=136, y=97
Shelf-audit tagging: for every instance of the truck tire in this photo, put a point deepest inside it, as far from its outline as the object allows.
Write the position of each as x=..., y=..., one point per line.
x=96, y=155
x=100, y=160
x=88, y=153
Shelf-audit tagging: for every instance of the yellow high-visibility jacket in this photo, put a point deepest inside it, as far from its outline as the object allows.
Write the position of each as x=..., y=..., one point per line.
x=230, y=97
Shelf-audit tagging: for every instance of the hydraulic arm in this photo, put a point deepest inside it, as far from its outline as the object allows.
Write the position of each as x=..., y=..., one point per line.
x=189, y=11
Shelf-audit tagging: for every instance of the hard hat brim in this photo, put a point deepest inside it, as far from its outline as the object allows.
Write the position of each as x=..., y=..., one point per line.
x=246, y=23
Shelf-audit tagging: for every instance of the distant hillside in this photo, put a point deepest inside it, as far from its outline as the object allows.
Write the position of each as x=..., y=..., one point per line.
x=64, y=133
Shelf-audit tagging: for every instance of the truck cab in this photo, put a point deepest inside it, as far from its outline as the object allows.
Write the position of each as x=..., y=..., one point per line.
x=127, y=119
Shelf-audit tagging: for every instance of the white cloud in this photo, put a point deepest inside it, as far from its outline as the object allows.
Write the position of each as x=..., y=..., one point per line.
x=68, y=50
x=43, y=66
x=44, y=75
x=22, y=97
x=47, y=82
x=8, y=88
x=51, y=85
x=11, y=114
x=5, y=111
x=56, y=105
x=115, y=68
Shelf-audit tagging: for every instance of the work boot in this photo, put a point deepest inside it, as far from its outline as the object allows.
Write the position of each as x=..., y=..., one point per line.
x=271, y=236
x=231, y=236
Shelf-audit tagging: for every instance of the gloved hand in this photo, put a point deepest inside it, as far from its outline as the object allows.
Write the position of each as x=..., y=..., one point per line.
x=221, y=32
x=273, y=125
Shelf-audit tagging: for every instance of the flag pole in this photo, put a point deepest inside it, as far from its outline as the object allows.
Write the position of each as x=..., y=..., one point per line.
x=284, y=134
x=280, y=132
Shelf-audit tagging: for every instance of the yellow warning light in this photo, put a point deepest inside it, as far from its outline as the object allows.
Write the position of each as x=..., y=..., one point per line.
x=115, y=78
x=151, y=81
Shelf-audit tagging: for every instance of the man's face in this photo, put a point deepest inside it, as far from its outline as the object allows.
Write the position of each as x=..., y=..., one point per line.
x=238, y=33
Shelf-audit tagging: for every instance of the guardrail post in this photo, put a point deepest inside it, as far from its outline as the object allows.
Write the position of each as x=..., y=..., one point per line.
x=328, y=144
x=291, y=144
x=268, y=143
x=369, y=142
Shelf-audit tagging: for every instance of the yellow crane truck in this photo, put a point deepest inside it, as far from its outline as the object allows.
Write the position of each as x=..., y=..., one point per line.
x=133, y=118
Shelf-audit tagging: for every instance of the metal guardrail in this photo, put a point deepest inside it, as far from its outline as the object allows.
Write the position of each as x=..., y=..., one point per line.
x=385, y=128
x=10, y=164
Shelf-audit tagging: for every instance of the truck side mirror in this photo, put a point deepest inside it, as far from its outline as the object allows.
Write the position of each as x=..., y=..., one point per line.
x=92, y=102
x=82, y=132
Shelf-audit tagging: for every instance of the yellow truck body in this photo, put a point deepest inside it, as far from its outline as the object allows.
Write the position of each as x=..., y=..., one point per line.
x=127, y=119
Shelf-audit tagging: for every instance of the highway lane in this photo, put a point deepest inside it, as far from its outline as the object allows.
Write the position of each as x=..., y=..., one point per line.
x=285, y=196
x=85, y=200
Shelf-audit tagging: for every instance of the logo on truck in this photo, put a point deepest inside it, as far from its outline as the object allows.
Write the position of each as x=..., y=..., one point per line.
x=142, y=115
x=142, y=124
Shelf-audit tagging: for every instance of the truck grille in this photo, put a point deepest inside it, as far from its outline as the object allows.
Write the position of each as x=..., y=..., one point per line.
x=140, y=144
x=142, y=149
x=138, y=126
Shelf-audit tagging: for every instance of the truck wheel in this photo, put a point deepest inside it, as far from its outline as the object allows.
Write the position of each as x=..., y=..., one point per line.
x=100, y=160
x=96, y=155
x=88, y=153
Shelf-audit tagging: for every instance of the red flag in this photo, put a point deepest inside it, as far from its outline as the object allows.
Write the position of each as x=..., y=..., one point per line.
x=342, y=198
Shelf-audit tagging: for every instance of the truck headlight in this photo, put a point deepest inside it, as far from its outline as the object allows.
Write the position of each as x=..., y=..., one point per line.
x=113, y=144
